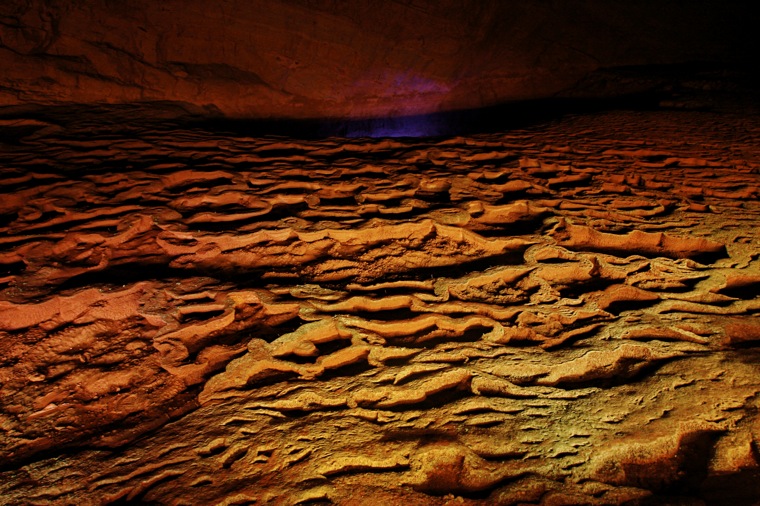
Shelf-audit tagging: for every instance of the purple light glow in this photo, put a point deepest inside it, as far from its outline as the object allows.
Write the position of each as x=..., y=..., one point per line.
x=416, y=102
x=404, y=126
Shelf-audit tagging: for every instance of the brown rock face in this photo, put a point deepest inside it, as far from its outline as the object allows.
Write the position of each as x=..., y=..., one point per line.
x=303, y=59
x=565, y=314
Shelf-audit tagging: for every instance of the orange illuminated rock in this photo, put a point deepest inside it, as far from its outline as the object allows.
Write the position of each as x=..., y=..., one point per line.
x=533, y=316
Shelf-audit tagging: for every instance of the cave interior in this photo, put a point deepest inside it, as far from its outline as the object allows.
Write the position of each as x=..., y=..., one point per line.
x=418, y=252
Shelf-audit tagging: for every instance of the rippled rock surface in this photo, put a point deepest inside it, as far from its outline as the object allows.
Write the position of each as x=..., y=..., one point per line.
x=563, y=314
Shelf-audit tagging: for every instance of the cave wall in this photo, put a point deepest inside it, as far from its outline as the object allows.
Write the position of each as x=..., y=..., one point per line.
x=307, y=59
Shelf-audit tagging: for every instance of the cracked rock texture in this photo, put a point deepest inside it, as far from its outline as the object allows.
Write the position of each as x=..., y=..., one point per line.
x=315, y=59
x=560, y=314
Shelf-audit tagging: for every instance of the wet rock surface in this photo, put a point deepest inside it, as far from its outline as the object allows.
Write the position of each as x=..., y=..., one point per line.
x=562, y=314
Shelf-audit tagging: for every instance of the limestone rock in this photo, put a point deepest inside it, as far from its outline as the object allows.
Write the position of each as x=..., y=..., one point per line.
x=303, y=59
x=565, y=314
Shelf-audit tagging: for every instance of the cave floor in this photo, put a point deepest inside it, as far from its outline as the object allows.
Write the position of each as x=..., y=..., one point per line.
x=561, y=314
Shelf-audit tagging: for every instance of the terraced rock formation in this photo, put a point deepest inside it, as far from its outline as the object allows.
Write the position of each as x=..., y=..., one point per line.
x=562, y=314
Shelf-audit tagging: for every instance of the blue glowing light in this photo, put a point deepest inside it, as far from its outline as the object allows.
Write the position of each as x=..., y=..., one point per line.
x=425, y=125
x=409, y=94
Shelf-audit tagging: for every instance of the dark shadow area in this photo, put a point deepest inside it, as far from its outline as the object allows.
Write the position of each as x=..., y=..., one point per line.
x=702, y=86
x=466, y=122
